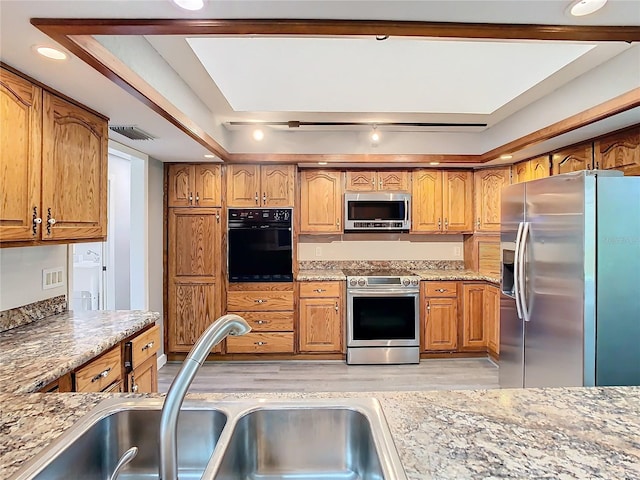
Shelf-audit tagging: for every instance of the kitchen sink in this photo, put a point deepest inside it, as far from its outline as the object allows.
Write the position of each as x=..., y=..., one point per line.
x=341, y=439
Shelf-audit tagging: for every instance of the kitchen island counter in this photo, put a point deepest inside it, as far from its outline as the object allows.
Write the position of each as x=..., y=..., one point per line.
x=469, y=434
x=33, y=355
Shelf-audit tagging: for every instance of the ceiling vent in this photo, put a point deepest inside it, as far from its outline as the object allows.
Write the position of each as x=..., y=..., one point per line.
x=132, y=132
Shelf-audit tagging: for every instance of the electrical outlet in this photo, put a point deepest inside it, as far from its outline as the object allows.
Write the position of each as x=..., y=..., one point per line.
x=318, y=251
x=52, y=278
x=457, y=252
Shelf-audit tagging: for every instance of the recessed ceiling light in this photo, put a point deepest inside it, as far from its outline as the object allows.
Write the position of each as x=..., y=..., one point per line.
x=375, y=136
x=322, y=163
x=580, y=8
x=434, y=163
x=209, y=156
x=506, y=157
x=189, y=4
x=258, y=135
x=50, y=52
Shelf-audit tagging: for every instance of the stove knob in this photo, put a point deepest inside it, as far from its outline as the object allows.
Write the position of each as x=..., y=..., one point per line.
x=361, y=282
x=406, y=282
x=353, y=282
x=414, y=282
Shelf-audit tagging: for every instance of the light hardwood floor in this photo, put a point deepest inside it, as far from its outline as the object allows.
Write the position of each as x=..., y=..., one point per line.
x=319, y=376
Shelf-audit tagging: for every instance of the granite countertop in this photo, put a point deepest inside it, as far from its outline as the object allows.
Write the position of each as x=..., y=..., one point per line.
x=33, y=355
x=559, y=433
x=433, y=274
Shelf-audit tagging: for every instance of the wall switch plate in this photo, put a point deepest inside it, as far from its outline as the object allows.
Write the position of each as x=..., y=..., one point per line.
x=52, y=278
x=457, y=252
x=318, y=251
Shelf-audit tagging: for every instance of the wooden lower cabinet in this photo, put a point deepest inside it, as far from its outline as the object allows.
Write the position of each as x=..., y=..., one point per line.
x=261, y=342
x=491, y=316
x=321, y=317
x=440, y=316
x=116, y=387
x=101, y=372
x=192, y=308
x=473, y=328
x=61, y=385
x=144, y=378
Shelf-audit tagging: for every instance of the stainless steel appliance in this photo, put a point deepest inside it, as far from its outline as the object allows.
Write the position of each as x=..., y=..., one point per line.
x=260, y=245
x=373, y=211
x=570, y=303
x=383, y=314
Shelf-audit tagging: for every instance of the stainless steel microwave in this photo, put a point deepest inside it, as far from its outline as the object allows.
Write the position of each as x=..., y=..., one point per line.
x=377, y=211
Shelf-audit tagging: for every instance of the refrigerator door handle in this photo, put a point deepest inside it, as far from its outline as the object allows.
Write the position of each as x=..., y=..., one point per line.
x=521, y=272
x=516, y=270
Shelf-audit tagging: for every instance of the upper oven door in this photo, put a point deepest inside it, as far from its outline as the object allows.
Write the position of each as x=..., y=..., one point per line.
x=260, y=254
x=382, y=319
x=379, y=207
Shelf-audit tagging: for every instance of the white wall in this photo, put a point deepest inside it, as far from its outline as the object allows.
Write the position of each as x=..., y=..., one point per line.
x=21, y=274
x=381, y=247
x=155, y=236
x=120, y=174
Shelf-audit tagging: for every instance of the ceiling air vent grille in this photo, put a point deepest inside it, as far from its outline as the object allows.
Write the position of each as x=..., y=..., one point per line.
x=132, y=132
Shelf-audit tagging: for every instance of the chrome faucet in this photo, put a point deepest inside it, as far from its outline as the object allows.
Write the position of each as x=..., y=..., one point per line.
x=229, y=324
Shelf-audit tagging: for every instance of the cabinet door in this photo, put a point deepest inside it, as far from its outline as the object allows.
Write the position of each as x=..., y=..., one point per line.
x=573, y=159
x=320, y=325
x=192, y=308
x=396, y=180
x=180, y=185
x=488, y=186
x=620, y=151
x=521, y=172
x=320, y=202
x=457, y=201
x=74, y=166
x=441, y=324
x=361, y=181
x=277, y=183
x=207, y=186
x=426, y=201
x=539, y=168
x=243, y=185
x=473, y=333
x=20, y=156
x=492, y=318
x=144, y=379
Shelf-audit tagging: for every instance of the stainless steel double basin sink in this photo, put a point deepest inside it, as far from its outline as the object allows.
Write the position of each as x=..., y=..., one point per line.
x=236, y=440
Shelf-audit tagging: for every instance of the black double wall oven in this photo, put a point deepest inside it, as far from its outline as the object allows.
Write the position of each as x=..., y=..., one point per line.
x=260, y=245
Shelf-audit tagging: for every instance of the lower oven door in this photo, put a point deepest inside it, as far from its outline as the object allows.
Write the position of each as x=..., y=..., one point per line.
x=382, y=319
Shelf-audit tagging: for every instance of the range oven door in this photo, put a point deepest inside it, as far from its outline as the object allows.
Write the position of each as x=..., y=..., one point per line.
x=382, y=319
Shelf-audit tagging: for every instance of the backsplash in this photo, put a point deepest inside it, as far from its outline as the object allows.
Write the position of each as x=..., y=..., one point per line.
x=381, y=264
x=16, y=317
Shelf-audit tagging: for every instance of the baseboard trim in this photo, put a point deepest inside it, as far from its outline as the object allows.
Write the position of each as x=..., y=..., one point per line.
x=162, y=360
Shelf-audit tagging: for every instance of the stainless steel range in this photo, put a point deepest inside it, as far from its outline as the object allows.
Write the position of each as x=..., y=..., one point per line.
x=383, y=317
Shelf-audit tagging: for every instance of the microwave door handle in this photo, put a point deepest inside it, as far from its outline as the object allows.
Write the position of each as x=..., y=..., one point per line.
x=406, y=209
x=516, y=268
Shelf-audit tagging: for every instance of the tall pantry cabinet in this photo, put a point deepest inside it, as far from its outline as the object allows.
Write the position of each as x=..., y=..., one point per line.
x=193, y=253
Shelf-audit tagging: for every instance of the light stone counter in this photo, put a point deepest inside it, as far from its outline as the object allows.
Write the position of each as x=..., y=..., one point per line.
x=320, y=275
x=456, y=275
x=33, y=355
x=565, y=433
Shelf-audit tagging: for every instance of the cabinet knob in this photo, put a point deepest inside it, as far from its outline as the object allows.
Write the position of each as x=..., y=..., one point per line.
x=439, y=224
x=256, y=198
x=134, y=388
x=441, y=290
x=50, y=221
x=336, y=306
x=446, y=224
x=338, y=223
x=319, y=290
x=218, y=217
x=197, y=197
x=36, y=221
x=260, y=300
x=264, y=198
x=259, y=343
x=380, y=183
x=478, y=222
x=191, y=198
x=428, y=307
x=262, y=322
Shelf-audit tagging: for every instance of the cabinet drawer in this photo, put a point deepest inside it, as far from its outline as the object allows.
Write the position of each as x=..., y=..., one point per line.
x=145, y=346
x=268, y=321
x=319, y=289
x=100, y=373
x=261, y=343
x=259, y=301
x=441, y=289
x=116, y=387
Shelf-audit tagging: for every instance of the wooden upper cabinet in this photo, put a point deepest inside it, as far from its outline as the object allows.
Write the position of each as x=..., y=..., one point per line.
x=539, y=167
x=579, y=157
x=620, y=151
x=426, y=201
x=488, y=186
x=243, y=185
x=457, y=201
x=74, y=165
x=361, y=181
x=193, y=244
x=368, y=181
x=277, y=185
x=194, y=185
x=260, y=186
x=320, y=201
x=521, y=171
x=20, y=157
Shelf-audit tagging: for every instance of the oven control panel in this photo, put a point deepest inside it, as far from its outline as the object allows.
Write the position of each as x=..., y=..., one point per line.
x=382, y=282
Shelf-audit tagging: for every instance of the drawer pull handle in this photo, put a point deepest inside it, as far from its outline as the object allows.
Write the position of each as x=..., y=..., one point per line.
x=262, y=322
x=147, y=346
x=260, y=300
x=103, y=374
x=428, y=307
x=319, y=290
x=260, y=343
x=441, y=290
x=336, y=306
x=134, y=389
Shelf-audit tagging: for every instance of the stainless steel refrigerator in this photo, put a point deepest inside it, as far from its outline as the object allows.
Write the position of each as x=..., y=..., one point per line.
x=570, y=300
